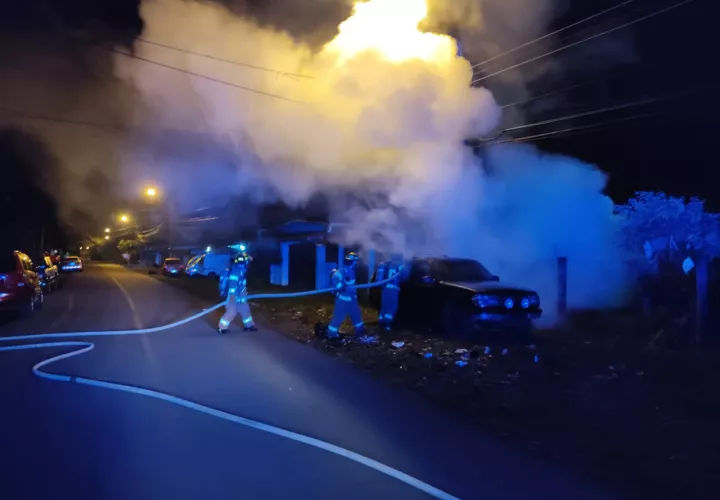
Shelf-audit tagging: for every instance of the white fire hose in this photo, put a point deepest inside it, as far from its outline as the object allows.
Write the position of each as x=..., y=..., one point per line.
x=84, y=347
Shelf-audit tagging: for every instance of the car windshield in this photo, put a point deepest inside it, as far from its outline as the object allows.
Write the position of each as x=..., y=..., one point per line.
x=172, y=261
x=462, y=270
x=70, y=259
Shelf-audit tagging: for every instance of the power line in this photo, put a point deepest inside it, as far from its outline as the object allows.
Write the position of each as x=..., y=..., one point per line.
x=228, y=61
x=593, y=37
x=199, y=75
x=608, y=109
x=552, y=92
x=27, y=116
x=598, y=14
x=586, y=128
x=583, y=114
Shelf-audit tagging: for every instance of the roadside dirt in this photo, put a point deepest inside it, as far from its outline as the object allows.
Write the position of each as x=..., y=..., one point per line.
x=595, y=398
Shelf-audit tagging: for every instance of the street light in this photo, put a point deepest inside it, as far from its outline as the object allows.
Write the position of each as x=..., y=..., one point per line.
x=151, y=192
x=107, y=229
x=107, y=237
x=124, y=218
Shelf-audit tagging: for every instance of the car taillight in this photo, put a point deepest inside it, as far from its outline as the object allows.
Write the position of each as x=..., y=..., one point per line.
x=11, y=279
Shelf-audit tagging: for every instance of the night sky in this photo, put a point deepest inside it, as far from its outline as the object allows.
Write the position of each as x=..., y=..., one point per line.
x=674, y=150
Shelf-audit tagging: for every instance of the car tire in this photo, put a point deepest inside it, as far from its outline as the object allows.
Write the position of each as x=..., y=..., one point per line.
x=29, y=308
x=523, y=331
x=375, y=297
x=456, y=321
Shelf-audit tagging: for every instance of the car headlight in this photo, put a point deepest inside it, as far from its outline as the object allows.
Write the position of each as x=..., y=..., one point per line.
x=530, y=301
x=486, y=300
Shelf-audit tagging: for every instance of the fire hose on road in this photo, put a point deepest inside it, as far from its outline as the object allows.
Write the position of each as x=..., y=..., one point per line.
x=84, y=347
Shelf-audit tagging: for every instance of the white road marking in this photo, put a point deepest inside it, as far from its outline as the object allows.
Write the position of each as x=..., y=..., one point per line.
x=130, y=302
x=136, y=319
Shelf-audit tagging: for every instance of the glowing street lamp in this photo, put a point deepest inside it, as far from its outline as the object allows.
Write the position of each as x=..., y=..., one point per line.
x=107, y=229
x=107, y=237
x=124, y=218
x=151, y=192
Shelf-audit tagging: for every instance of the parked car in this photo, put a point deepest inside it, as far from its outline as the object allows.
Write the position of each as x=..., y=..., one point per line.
x=461, y=296
x=20, y=286
x=191, y=268
x=49, y=273
x=211, y=264
x=71, y=264
x=172, y=266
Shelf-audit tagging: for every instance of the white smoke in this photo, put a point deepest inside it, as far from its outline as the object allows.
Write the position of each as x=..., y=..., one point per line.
x=391, y=133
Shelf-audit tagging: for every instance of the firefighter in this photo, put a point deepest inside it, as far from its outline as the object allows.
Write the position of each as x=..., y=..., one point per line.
x=233, y=283
x=346, y=300
x=392, y=268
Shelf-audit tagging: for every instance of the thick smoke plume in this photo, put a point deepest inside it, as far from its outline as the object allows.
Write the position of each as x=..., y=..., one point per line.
x=385, y=129
x=381, y=140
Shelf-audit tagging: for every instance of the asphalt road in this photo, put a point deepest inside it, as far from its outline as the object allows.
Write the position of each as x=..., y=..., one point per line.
x=66, y=441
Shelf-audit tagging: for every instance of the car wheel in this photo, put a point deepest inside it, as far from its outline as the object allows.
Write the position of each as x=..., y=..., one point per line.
x=456, y=321
x=523, y=331
x=375, y=298
x=29, y=308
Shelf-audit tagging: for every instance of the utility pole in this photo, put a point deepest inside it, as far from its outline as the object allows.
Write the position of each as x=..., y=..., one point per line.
x=171, y=217
x=562, y=288
x=701, y=297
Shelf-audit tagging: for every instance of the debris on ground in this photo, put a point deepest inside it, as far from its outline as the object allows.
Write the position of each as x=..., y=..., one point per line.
x=620, y=435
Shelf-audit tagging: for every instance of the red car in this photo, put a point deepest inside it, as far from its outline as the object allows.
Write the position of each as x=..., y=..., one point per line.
x=20, y=286
x=172, y=266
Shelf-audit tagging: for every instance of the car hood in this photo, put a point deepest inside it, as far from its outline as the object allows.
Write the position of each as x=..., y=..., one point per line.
x=488, y=286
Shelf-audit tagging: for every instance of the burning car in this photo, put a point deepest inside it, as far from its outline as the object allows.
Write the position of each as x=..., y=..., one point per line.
x=462, y=296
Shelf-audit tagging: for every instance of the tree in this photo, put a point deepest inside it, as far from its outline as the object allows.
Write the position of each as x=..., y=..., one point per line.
x=650, y=216
x=669, y=230
x=126, y=246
